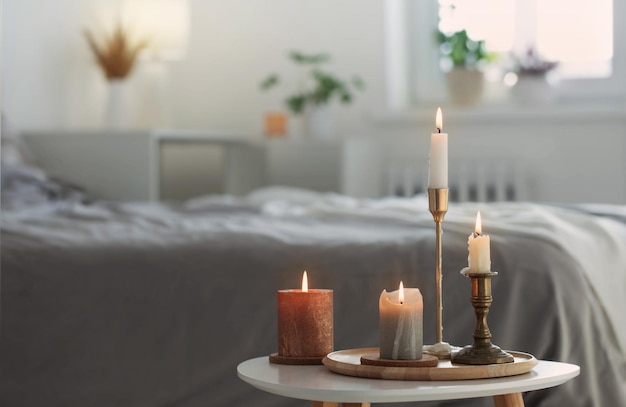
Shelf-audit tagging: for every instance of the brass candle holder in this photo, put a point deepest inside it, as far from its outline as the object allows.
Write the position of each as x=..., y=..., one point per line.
x=482, y=351
x=438, y=206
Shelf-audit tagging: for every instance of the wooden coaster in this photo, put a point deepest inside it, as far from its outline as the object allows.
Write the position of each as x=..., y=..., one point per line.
x=373, y=359
x=291, y=360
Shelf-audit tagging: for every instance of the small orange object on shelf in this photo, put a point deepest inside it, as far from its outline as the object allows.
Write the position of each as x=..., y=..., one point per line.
x=275, y=124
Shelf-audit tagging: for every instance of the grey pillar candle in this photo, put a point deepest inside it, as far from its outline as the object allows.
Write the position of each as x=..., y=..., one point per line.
x=401, y=324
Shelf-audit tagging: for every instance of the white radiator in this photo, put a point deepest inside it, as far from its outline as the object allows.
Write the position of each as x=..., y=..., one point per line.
x=469, y=180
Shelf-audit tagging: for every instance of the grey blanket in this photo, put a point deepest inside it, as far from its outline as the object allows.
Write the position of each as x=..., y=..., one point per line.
x=154, y=305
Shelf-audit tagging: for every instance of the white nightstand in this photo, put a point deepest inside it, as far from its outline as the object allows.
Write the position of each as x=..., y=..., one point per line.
x=175, y=165
x=150, y=165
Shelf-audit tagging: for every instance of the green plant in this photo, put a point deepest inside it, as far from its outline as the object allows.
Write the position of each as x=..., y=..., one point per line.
x=324, y=85
x=462, y=51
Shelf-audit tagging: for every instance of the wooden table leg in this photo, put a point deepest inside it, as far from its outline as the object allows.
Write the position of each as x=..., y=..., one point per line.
x=509, y=400
x=333, y=404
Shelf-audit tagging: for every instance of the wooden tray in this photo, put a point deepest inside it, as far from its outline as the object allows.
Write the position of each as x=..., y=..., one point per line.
x=348, y=362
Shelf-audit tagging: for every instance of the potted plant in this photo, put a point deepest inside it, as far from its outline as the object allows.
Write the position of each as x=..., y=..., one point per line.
x=317, y=92
x=116, y=55
x=464, y=59
x=533, y=77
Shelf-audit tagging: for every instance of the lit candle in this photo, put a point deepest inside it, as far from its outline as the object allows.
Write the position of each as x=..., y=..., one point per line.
x=305, y=321
x=438, y=165
x=479, y=252
x=401, y=324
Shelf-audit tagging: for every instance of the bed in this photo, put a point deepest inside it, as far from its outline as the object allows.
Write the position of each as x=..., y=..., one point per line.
x=136, y=304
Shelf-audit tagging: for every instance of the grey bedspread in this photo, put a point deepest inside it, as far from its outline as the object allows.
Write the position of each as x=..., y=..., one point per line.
x=153, y=305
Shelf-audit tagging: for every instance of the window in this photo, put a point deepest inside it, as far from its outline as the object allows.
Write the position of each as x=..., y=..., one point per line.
x=582, y=39
x=585, y=36
x=577, y=34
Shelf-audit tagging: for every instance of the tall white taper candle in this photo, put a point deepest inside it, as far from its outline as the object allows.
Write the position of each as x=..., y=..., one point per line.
x=438, y=165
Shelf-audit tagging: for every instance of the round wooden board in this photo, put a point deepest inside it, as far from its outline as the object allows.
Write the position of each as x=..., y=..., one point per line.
x=348, y=362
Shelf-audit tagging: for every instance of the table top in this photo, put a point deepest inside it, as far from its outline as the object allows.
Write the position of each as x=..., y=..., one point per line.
x=319, y=383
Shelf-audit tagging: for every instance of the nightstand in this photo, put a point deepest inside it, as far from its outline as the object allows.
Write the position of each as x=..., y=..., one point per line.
x=150, y=165
x=175, y=165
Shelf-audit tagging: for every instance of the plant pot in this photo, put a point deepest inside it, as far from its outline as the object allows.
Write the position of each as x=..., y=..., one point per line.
x=318, y=122
x=465, y=86
x=532, y=90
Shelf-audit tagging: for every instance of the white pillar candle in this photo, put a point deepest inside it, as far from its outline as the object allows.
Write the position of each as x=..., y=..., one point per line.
x=479, y=251
x=401, y=324
x=438, y=164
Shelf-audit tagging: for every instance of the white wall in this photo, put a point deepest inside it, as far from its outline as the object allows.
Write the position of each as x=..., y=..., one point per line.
x=50, y=79
x=237, y=43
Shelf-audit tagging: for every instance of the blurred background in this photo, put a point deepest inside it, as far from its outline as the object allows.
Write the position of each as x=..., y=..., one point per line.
x=325, y=95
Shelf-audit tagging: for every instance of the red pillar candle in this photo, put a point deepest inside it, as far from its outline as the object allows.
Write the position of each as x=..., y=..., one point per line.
x=305, y=322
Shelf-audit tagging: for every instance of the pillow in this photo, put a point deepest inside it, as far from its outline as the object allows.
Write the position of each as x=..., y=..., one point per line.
x=23, y=183
x=14, y=151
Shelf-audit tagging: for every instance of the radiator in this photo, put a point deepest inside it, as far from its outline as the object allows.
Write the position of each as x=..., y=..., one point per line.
x=469, y=180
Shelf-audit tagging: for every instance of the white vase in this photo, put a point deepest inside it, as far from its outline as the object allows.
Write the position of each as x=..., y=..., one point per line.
x=465, y=86
x=117, y=109
x=318, y=122
x=532, y=90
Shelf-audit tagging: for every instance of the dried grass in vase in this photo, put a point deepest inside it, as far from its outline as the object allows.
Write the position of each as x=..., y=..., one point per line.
x=116, y=55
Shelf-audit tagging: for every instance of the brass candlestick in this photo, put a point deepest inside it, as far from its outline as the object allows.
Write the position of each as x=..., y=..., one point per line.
x=482, y=351
x=438, y=206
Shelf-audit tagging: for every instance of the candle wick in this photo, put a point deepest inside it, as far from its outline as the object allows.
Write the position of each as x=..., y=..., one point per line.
x=438, y=130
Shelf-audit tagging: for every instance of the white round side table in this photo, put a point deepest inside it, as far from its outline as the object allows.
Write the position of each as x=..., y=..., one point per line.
x=325, y=388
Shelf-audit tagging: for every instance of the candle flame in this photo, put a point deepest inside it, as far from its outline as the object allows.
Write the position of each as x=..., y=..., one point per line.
x=401, y=293
x=305, y=283
x=479, y=229
x=439, y=120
